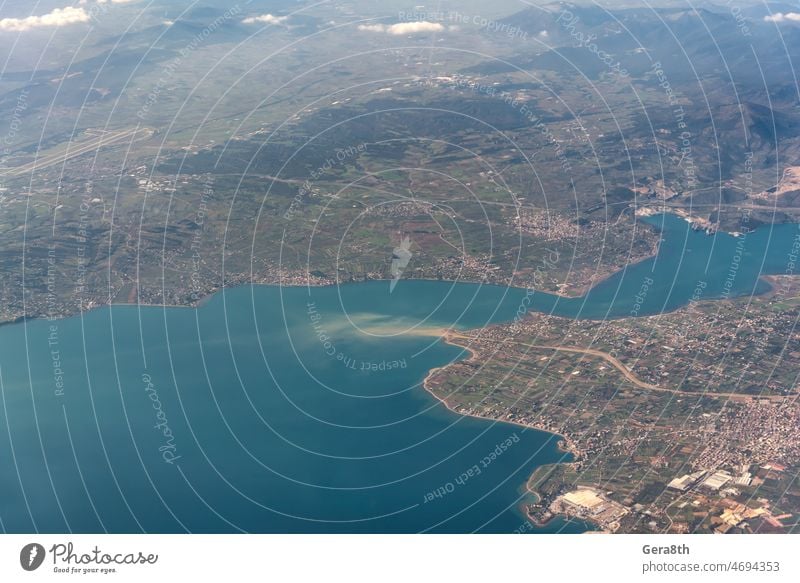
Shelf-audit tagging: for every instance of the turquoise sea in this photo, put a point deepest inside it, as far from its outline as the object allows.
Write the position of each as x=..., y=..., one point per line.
x=275, y=409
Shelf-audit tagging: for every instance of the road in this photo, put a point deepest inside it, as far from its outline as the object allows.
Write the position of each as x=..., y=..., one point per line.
x=616, y=363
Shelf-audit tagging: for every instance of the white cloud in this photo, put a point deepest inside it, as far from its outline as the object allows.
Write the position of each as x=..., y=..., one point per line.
x=781, y=17
x=265, y=18
x=372, y=27
x=544, y=34
x=57, y=17
x=403, y=27
x=412, y=27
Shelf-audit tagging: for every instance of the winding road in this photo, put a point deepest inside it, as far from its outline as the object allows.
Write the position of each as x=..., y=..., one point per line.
x=616, y=363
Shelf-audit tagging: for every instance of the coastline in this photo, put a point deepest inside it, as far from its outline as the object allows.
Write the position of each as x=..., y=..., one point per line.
x=202, y=300
x=565, y=443
x=575, y=291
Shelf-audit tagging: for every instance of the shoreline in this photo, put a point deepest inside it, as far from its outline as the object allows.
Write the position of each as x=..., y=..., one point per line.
x=450, y=336
x=568, y=444
x=564, y=444
x=200, y=302
x=576, y=291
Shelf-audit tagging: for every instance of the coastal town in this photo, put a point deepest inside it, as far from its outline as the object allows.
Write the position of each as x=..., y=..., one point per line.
x=640, y=456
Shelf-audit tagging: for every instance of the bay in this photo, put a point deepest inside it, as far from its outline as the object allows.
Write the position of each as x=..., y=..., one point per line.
x=297, y=409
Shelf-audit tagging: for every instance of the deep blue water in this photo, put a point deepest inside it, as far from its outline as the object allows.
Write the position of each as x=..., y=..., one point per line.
x=299, y=410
